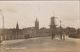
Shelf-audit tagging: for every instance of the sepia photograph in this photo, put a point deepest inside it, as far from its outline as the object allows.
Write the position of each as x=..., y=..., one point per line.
x=40, y=26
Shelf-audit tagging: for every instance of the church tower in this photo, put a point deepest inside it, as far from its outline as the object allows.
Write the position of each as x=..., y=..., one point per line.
x=17, y=26
x=17, y=31
x=36, y=24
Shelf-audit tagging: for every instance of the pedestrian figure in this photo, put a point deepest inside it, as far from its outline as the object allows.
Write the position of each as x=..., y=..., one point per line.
x=63, y=36
x=53, y=36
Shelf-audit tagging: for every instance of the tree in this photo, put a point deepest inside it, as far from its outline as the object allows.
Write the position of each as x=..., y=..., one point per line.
x=78, y=31
x=71, y=32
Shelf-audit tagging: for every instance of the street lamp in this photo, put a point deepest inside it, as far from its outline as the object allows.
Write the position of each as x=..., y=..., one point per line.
x=1, y=36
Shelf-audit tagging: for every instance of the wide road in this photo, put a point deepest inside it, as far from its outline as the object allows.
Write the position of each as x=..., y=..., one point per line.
x=42, y=44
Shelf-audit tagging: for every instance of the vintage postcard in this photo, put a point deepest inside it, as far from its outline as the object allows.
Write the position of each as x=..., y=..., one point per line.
x=40, y=26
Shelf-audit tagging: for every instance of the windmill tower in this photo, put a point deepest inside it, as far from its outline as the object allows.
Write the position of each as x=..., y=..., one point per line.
x=52, y=27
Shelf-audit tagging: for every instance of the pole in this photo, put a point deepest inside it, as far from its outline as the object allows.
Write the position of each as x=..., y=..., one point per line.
x=2, y=24
x=3, y=21
x=60, y=30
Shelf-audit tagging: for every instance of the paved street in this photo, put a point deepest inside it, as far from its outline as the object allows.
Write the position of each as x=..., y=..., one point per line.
x=42, y=44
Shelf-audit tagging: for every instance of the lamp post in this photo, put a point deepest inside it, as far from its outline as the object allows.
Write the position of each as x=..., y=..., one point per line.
x=1, y=36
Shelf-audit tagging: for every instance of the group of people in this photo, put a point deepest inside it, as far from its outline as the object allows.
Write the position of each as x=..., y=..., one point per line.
x=60, y=34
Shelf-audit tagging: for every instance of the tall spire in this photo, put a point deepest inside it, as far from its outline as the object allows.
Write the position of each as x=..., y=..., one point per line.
x=36, y=19
x=36, y=24
x=17, y=26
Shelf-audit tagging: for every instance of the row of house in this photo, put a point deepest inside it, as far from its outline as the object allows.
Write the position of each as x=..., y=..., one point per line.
x=31, y=32
x=16, y=33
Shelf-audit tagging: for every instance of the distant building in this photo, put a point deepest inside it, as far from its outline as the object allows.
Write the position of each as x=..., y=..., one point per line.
x=11, y=34
x=36, y=24
x=28, y=31
x=16, y=33
x=32, y=31
x=35, y=31
x=17, y=26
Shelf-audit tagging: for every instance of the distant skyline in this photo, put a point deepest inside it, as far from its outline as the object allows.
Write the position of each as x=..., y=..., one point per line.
x=26, y=12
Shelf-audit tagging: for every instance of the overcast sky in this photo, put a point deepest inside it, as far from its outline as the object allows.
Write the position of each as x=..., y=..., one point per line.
x=25, y=12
